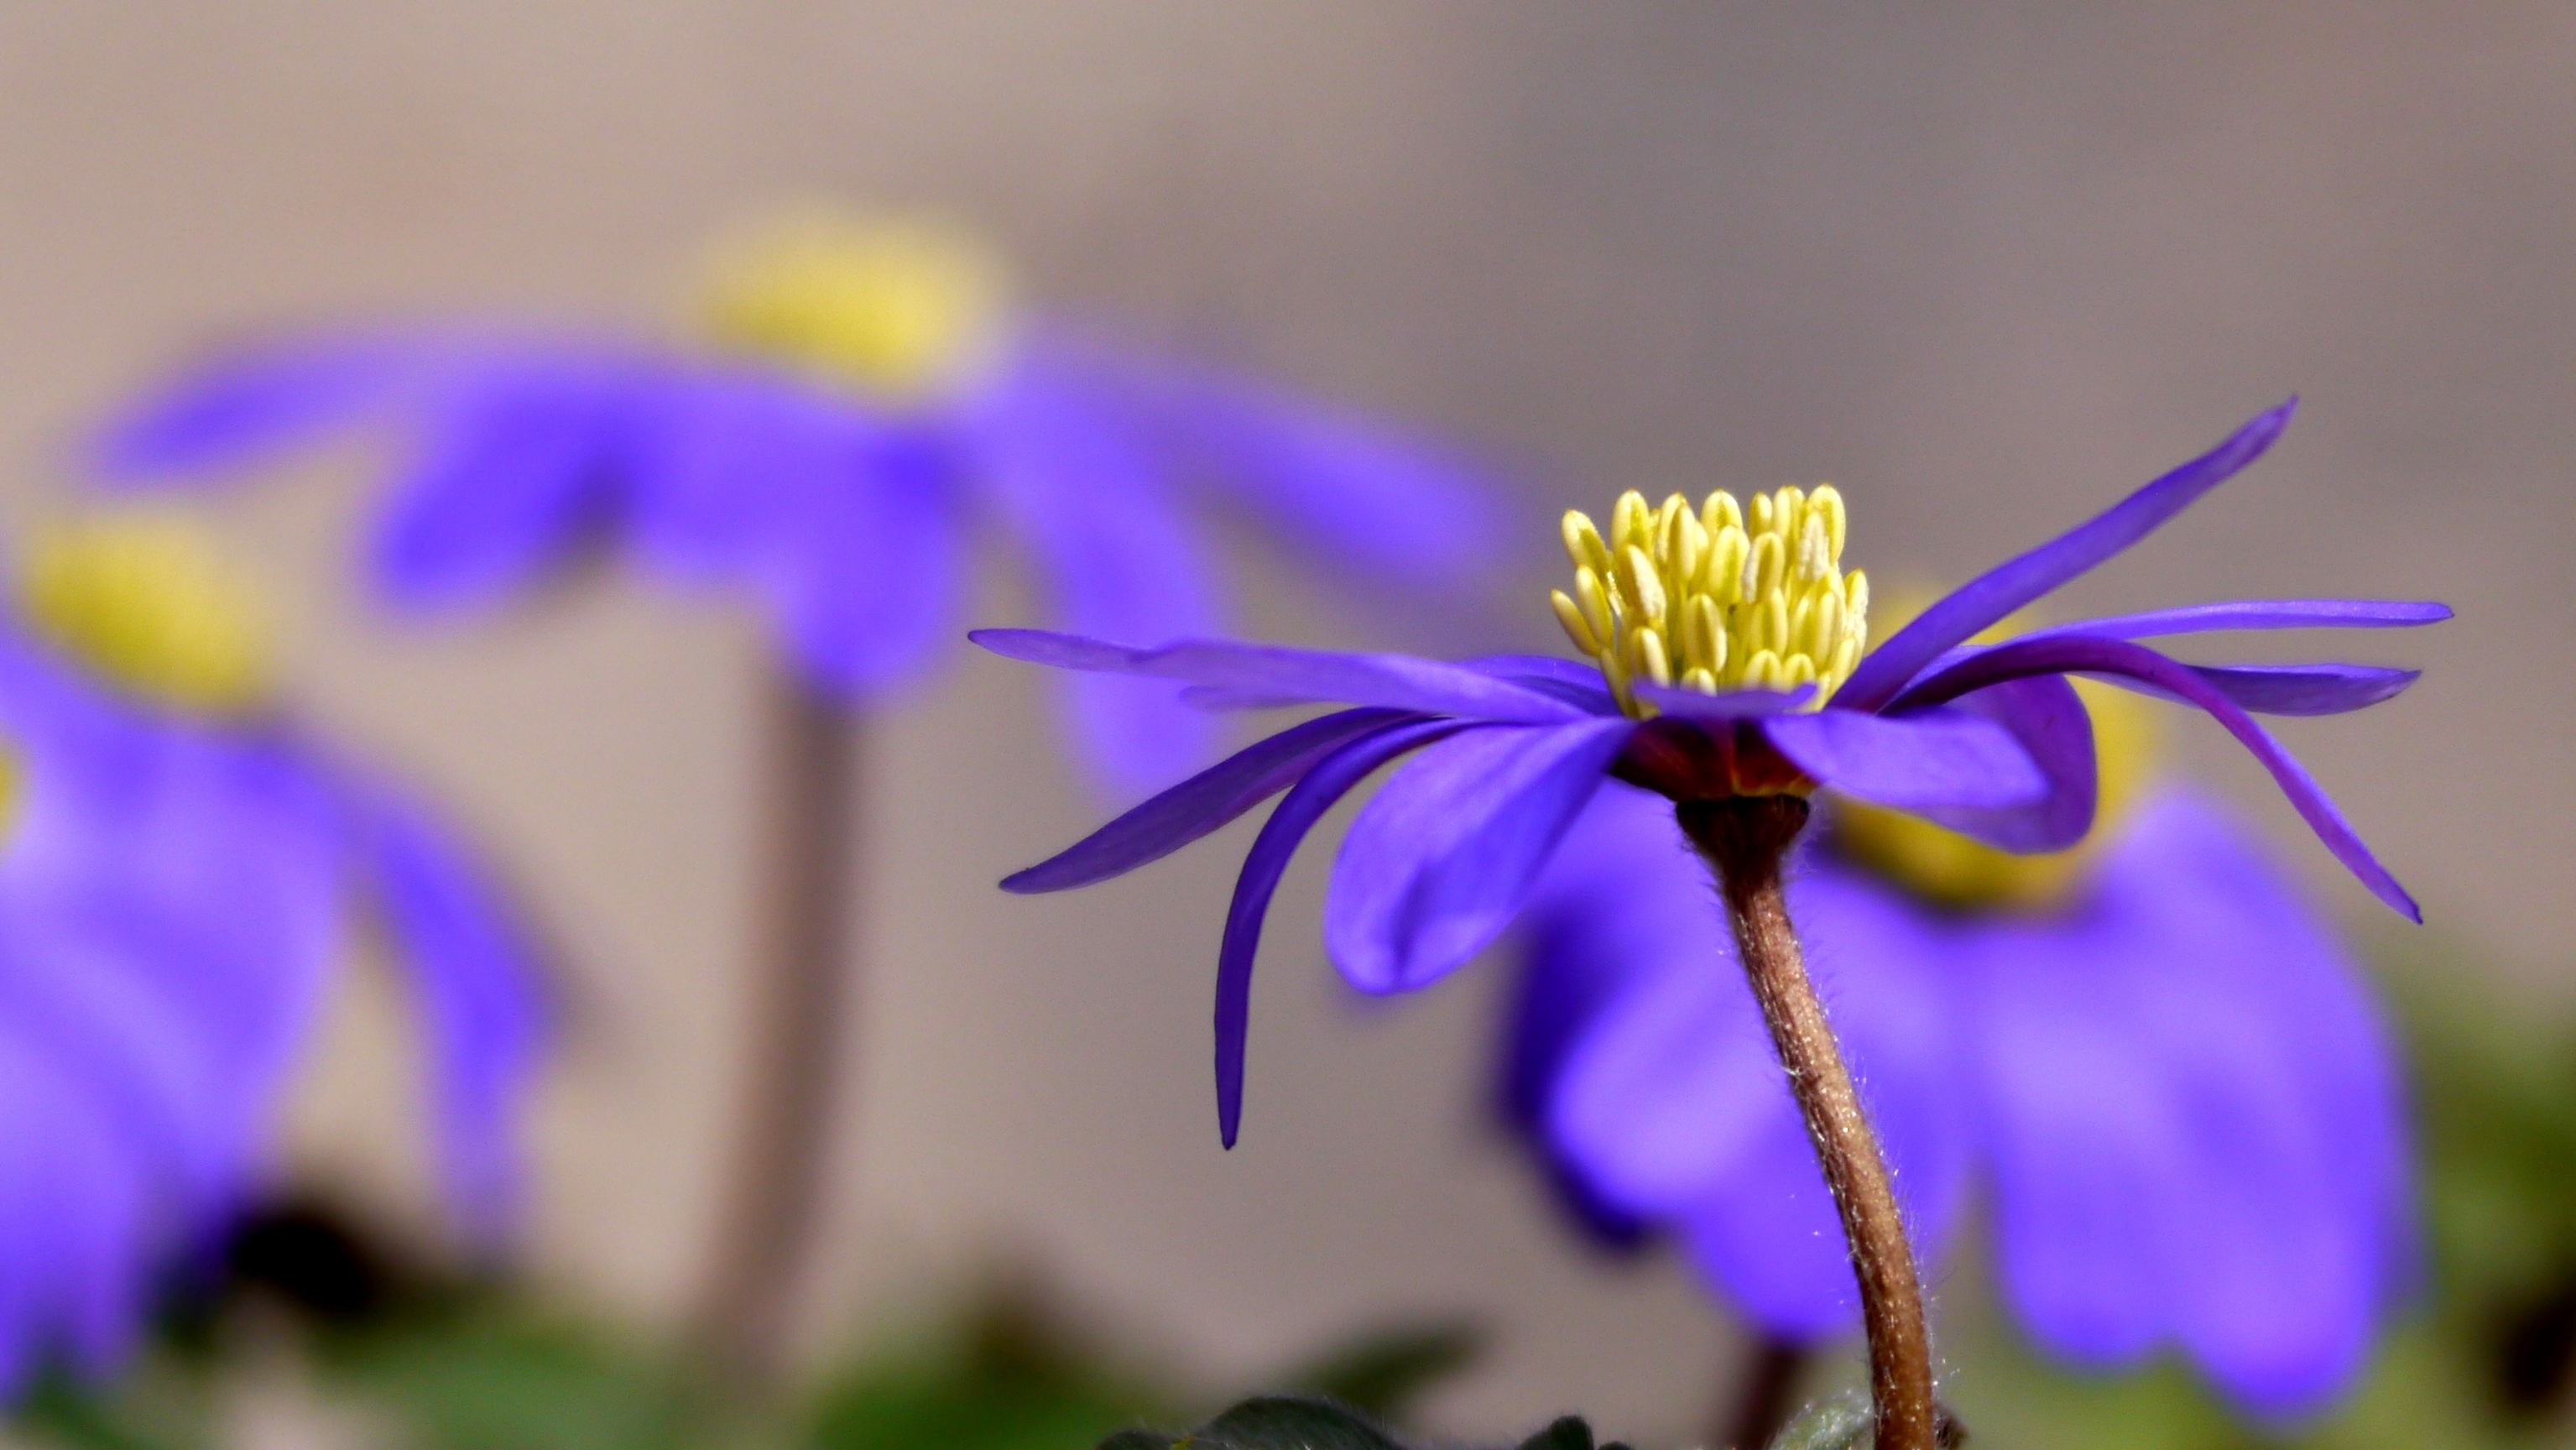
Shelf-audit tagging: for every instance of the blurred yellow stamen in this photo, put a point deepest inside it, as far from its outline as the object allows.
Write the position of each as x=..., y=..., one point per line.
x=1719, y=598
x=145, y=603
x=900, y=308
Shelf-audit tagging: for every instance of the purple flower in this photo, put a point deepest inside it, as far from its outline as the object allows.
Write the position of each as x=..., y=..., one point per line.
x=868, y=403
x=1989, y=740
x=176, y=885
x=2171, y=1080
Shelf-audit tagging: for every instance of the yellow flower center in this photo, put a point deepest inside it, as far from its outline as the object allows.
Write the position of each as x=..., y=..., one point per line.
x=1960, y=872
x=1718, y=598
x=901, y=309
x=145, y=604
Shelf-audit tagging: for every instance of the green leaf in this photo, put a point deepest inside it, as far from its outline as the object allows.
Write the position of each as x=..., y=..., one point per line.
x=1386, y=1372
x=1292, y=1422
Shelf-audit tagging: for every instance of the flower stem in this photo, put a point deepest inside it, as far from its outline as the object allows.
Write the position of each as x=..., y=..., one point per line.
x=1745, y=839
x=1758, y=1405
x=766, y=1234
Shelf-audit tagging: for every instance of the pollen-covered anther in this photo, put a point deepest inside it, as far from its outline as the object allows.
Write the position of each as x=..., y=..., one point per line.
x=1723, y=597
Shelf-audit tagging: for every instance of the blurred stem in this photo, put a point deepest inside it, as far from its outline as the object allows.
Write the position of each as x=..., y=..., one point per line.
x=1757, y=1407
x=1745, y=840
x=800, y=985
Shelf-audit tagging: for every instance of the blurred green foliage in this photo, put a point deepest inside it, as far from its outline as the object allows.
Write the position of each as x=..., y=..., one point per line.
x=1307, y=1422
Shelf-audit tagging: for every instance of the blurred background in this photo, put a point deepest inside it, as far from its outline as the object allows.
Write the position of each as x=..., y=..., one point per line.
x=1983, y=266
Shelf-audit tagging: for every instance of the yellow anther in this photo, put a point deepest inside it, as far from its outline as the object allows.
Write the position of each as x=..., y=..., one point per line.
x=900, y=307
x=1570, y=615
x=1827, y=503
x=144, y=602
x=1628, y=520
x=1714, y=598
x=1703, y=634
x=1598, y=616
x=1583, y=546
x=1764, y=572
x=1726, y=556
x=1651, y=661
x=1642, y=584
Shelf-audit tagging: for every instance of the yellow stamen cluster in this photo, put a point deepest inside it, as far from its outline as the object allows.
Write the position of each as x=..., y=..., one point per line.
x=144, y=602
x=1722, y=597
x=899, y=308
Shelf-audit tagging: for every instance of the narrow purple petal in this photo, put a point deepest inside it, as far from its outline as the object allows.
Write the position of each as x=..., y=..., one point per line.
x=1303, y=676
x=1946, y=757
x=2255, y=614
x=1579, y=685
x=1199, y=805
x=1733, y=705
x=1437, y=864
x=2137, y=662
x=2312, y=689
x=245, y=406
x=1984, y=601
x=2049, y=720
x=1263, y=865
x=474, y=966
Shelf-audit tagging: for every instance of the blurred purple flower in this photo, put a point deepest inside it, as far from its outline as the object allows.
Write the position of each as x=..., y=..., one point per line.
x=831, y=463
x=1989, y=740
x=2173, y=1082
x=175, y=888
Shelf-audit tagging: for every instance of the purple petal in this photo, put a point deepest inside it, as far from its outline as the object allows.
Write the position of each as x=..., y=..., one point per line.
x=2087, y=1157
x=1579, y=685
x=2048, y=718
x=2255, y=614
x=1199, y=805
x=1360, y=498
x=2301, y=1222
x=2137, y=662
x=1984, y=601
x=2196, y=1117
x=2313, y=689
x=517, y=468
x=1437, y=864
x=866, y=576
x=1673, y=1104
x=1262, y=867
x=1733, y=705
x=1303, y=676
x=1937, y=758
x=732, y=455
x=1115, y=559
x=475, y=968
x=243, y=407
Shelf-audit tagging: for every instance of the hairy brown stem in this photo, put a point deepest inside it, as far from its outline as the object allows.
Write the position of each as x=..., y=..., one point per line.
x=764, y=1239
x=1763, y=1397
x=1745, y=840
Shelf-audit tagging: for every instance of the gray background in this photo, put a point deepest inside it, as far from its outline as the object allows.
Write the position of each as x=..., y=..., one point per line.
x=1983, y=266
